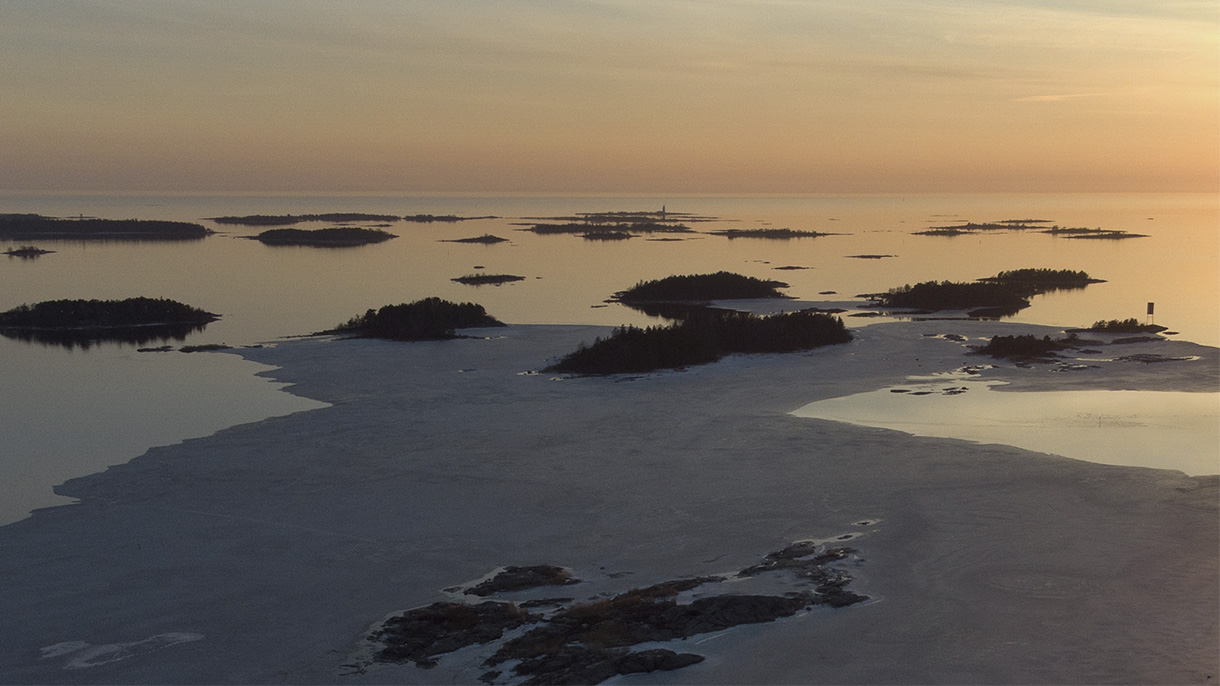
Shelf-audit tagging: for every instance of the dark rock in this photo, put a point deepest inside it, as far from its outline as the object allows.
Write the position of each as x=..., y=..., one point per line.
x=421, y=634
x=657, y=659
x=590, y=642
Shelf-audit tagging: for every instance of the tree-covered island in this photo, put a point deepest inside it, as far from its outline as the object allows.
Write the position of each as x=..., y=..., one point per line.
x=1030, y=225
x=336, y=217
x=772, y=234
x=27, y=252
x=85, y=322
x=290, y=219
x=487, y=279
x=1044, y=280
x=701, y=339
x=590, y=230
x=721, y=285
x=1130, y=325
x=38, y=227
x=997, y=296
x=485, y=239
x=335, y=237
x=429, y=319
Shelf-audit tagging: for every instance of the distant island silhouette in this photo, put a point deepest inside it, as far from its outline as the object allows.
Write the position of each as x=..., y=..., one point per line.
x=335, y=217
x=335, y=237
x=485, y=239
x=773, y=234
x=27, y=252
x=487, y=279
x=1033, y=225
x=592, y=230
x=39, y=227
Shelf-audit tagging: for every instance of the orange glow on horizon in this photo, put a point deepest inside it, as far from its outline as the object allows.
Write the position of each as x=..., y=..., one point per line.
x=730, y=97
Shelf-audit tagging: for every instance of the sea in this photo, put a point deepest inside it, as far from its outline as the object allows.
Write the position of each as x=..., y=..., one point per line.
x=71, y=411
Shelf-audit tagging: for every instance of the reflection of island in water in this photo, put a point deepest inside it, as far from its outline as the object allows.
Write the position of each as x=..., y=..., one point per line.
x=36, y=226
x=84, y=323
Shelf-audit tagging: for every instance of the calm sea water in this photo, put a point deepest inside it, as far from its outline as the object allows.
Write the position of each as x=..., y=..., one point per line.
x=71, y=412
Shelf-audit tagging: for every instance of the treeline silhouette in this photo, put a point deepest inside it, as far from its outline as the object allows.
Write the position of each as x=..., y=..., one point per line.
x=423, y=320
x=36, y=226
x=700, y=340
x=1131, y=325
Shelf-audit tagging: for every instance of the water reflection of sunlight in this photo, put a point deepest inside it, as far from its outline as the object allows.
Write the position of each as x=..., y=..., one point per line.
x=1167, y=430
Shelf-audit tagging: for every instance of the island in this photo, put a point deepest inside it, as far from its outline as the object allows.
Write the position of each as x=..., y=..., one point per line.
x=430, y=319
x=773, y=234
x=290, y=219
x=997, y=296
x=27, y=252
x=84, y=322
x=610, y=217
x=701, y=288
x=449, y=218
x=485, y=239
x=487, y=279
x=335, y=237
x=589, y=642
x=586, y=229
x=39, y=227
x=700, y=339
x=1095, y=234
x=608, y=235
x=1130, y=325
x=981, y=298
x=1033, y=225
x=1026, y=347
x=1042, y=280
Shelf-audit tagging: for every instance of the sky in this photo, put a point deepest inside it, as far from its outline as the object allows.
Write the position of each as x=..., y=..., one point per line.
x=610, y=96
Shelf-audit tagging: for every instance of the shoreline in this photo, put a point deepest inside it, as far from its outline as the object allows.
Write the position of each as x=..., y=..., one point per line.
x=279, y=542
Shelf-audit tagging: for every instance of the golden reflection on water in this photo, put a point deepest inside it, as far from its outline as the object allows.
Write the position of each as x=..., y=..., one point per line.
x=1163, y=430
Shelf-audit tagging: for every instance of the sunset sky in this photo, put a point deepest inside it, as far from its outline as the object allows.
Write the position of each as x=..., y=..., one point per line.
x=630, y=96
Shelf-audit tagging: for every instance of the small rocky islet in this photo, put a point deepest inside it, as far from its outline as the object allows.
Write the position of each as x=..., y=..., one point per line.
x=591, y=641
